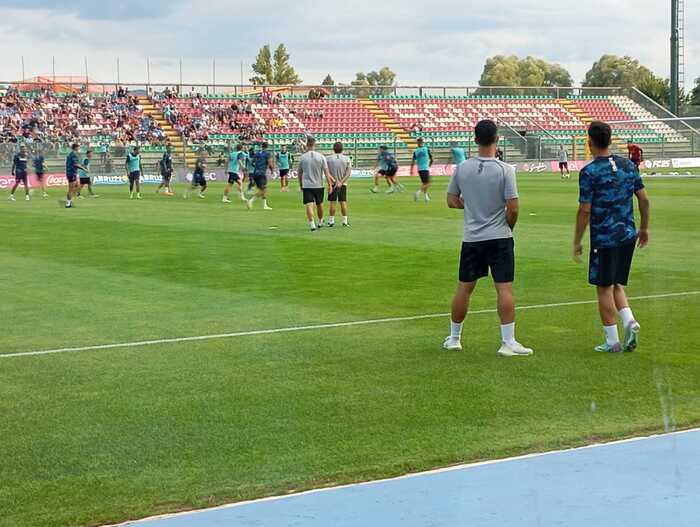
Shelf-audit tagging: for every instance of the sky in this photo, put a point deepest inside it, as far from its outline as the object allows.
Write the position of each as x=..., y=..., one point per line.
x=426, y=43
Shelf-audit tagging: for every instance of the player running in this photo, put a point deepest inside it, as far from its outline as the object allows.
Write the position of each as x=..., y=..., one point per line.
x=199, y=181
x=340, y=168
x=606, y=187
x=564, y=163
x=134, y=170
x=387, y=166
x=85, y=178
x=635, y=153
x=165, y=166
x=284, y=161
x=459, y=156
x=487, y=191
x=250, y=167
x=262, y=162
x=312, y=167
x=423, y=157
x=236, y=169
x=19, y=170
x=40, y=171
x=72, y=167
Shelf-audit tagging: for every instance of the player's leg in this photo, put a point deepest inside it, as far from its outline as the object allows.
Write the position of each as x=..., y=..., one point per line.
x=506, y=313
x=319, y=208
x=608, y=312
x=131, y=186
x=263, y=195
x=629, y=322
x=227, y=191
x=344, y=206
x=375, y=187
x=202, y=187
x=91, y=190
x=14, y=188
x=138, y=186
x=332, y=206
x=27, y=190
x=460, y=307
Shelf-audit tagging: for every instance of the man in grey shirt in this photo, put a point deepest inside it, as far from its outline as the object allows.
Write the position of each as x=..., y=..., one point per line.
x=564, y=162
x=312, y=168
x=485, y=188
x=340, y=168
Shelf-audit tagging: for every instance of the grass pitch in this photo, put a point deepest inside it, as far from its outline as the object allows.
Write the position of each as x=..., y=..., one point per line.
x=101, y=436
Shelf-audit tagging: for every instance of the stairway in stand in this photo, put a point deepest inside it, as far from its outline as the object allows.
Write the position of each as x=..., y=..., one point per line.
x=570, y=105
x=393, y=127
x=175, y=140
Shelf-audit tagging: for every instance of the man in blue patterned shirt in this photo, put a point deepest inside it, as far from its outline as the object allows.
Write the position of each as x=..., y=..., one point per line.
x=607, y=186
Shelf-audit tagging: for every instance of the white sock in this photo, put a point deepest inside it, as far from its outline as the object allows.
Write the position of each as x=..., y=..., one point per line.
x=456, y=330
x=627, y=316
x=331, y=220
x=508, y=333
x=312, y=224
x=252, y=199
x=345, y=220
x=611, y=335
x=320, y=222
x=264, y=203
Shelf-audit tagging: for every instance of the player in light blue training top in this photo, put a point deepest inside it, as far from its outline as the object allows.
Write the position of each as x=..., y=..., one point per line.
x=423, y=158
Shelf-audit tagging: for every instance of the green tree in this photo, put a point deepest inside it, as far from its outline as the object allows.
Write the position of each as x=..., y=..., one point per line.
x=501, y=71
x=328, y=81
x=614, y=71
x=695, y=94
x=374, y=82
x=656, y=88
x=530, y=71
x=283, y=72
x=263, y=67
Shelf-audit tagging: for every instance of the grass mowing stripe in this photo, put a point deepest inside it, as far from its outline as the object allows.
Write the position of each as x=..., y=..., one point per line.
x=317, y=326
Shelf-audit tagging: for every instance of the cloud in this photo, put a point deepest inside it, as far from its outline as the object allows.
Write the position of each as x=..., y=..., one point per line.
x=441, y=42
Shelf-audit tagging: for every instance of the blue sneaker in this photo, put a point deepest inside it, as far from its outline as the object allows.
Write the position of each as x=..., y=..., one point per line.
x=632, y=336
x=607, y=348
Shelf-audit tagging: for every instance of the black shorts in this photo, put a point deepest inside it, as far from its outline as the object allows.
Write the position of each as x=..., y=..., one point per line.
x=260, y=180
x=478, y=257
x=563, y=165
x=166, y=177
x=424, y=176
x=284, y=172
x=40, y=176
x=85, y=181
x=233, y=178
x=21, y=178
x=611, y=265
x=198, y=180
x=72, y=178
x=636, y=162
x=134, y=177
x=389, y=172
x=339, y=194
x=313, y=195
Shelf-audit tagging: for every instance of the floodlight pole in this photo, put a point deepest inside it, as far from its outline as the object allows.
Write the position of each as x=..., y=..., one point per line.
x=675, y=53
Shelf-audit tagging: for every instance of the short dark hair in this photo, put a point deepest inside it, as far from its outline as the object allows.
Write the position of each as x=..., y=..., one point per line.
x=89, y=151
x=486, y=133
x=338, y=147
x=74, y=146
x=420, y=140
x=239, y=147
x=310, y=142
x=600, y=134
x=264, y=145
x=383, y=147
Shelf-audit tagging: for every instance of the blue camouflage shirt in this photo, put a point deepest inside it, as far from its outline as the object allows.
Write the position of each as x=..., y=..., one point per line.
x=609, y=184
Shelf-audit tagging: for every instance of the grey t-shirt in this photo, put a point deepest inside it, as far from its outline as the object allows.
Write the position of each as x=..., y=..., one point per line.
x=563, y=156
x=485, y=185
x=338, y=165
x=313, y=165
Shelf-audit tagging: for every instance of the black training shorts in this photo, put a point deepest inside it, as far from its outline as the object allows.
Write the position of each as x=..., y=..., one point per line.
x=478, y=257
x=611, y=265
x=232, y=178
x=260, y=180
x=424, y=176
x=85, y=181
x=339, y=194
x=313, y=195
x=134, y=177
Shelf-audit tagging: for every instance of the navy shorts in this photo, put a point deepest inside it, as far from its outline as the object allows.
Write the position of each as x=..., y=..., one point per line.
x=339, y=194
x=40, y=176
x=85, y=181
x=478, y=257
x=198, y=180
x=72, y=178
x=260, y=180
x=610, y=266
x=284, y=172
x=233, y=178
x=389, y=172
x=134, y=177
x=20, y=178
x=424, y=176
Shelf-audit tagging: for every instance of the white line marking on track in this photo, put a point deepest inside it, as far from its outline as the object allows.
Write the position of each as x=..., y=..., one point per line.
x=314, y=327
x=411, y=475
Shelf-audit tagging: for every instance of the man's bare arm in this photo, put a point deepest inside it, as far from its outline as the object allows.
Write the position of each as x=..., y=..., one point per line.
x=644, y=206
x=583, y=217
x=455, y=201
x=512, y=212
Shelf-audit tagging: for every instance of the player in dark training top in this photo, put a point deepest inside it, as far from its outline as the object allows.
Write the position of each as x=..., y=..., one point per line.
x=165, y=165
x=262, y=165
x=72, y=167
x=19, y=170
x=198, y=178
x=40, y=171
x=607, y=187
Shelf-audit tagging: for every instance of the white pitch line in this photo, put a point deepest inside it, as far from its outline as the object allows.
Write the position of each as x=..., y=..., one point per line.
x=314, y=327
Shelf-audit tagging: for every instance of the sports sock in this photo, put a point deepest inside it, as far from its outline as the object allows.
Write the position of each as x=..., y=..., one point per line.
x=265, y=203
x=252, y=200
x=611, y=335
x=320, y=222
x=345, y=220
x=456, y=329
x=312, y=224
x=627, y=316
x=508, y=333
x=331, y=220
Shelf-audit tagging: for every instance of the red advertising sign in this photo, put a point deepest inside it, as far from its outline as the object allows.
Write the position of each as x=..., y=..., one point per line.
x=51, y=180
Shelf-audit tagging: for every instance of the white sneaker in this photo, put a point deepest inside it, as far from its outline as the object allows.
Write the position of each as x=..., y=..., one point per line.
x=249, y=204
x=267, y=207
x=243, y=198
x=11, y=198
x=427, y=198
x=416, y=195
x=514, y=349
x=26, y=197
x=452, y=344
x=226, y=200
x=44, y=195
x=201, y=196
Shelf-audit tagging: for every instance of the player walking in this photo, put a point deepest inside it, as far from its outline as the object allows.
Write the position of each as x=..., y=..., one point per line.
x=262, y=162
x=635, y=153
x=199, y=181
x=166, y=171
x=486, y=189
x=340, y=168
x=607, y=186
x=459, y=156
x=564, y=163
x=85, y=178
x=312, y=167
x=134, y=170
x=236, y=164
x=284, y=160
x=72, y=167
x=19, y=170
x=40, y=171
x=423, y=157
